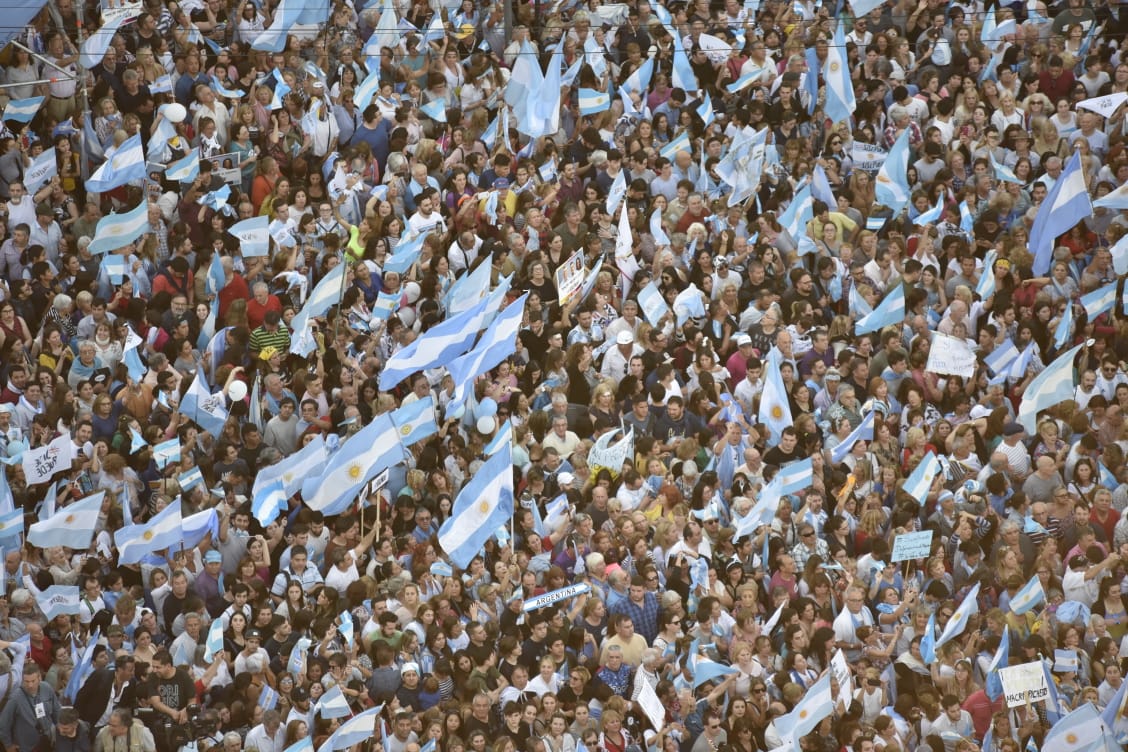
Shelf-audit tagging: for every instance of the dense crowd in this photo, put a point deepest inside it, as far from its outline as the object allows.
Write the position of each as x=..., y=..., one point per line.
x=811, y=328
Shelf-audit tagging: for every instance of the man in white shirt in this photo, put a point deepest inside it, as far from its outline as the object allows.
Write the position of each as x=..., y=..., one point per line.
x=1018, y=456
x=268, y=736
x=1082, y=580
x=426, y=219
x=846, y=625
x=953, y=720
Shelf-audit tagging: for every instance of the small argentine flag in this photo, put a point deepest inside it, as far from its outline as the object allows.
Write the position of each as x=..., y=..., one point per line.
x=593, y=101
x=23, y=110
x=1028, y=597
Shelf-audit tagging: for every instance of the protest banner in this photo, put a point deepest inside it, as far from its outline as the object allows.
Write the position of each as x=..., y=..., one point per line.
x=912, y=546
x=950, y=356
x=563, y=594
x=1024, y=683
x=570, y=277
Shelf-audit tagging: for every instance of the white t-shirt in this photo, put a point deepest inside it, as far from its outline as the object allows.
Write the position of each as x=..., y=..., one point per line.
x=1077, y=588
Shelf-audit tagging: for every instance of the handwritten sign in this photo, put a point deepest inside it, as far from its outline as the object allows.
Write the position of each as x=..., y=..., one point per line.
x=950, y=356
x=652, y=706
x=1024, y=683
x=912, y=546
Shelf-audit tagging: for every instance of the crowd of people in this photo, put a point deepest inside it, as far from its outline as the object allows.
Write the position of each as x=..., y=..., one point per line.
x=699, y=242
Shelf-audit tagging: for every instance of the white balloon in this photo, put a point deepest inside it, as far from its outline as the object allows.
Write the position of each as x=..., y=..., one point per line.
x=237, y=390
x=175, y=112
x=486, y=425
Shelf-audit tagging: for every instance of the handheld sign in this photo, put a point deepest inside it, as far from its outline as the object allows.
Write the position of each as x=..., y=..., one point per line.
x=1024, y=683
x=563, y=594
x=912, y=546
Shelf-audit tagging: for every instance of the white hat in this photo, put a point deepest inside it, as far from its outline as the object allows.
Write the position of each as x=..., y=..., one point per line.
x=979, y=411
x=624, y=338
x=409, y=666
x=565, y=479
x=743, y=339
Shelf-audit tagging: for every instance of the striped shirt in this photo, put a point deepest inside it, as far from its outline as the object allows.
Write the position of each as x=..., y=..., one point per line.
x=262, y=339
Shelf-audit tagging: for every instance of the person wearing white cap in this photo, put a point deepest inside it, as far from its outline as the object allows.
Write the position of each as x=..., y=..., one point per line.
x=737, y=363
x=617, y=361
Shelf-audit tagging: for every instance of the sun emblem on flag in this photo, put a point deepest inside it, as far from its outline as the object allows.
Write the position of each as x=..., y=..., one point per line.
x=777, y=412
x=287, y=477
x=483, y=506
x=804, y=713
x=148, y=536
x=2, y=525
x=1071, y=738
x=69, y=519
x=355, y=471
x=957, y=616
x=834, y=67
x=406, y=430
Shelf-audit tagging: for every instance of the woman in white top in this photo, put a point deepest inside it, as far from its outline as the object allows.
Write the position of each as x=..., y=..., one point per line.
x=1008, y=114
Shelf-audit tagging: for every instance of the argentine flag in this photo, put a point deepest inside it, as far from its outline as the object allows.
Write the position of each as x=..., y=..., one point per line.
x=1028, y=597
x=483, y=505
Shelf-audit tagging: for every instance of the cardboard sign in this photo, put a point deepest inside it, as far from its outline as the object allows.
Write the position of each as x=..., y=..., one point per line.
x=912, y=546
x=950, y=356
x=1024, y=683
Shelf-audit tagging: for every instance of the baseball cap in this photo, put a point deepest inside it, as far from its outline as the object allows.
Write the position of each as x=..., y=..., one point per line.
x=832, y=374
x=565, y=479
x=254, y=634
x=743, y=339
x=624, y=338
x=979, y=411
x=213, y=557
x=409, y=666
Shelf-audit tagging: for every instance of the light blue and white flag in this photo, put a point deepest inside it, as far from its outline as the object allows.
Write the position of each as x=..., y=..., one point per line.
x=483, y=505
x=1002, y=172
x=864, y=432
x=956, y=625
x=439, y=345
x=616, y=192
x=435, y=109
x=95, y=46
x=358, y=729
x=58, y=600
x=268, y=501
x=1066, y=205
x=1117, y=199
x=497, y=344
x=840, y=100
x=994, y=685
x=223, y=91
x=593, y=101
x=208, y=410
x=1064, y=332
x=72, y=526
x=775, y=409
x=1100, y=300
x=799, y=212
x=116, y=231
x=23, y=110
x=274, y=38
x=214, y=642
x=678, y=143
x=135, y=542
x=186, y=169
x=796, y=476
x=189, y=479
x=295, y=468
x=1000, y=359
x=919, y=482
x=163, y=85
x=1050, y=387
x=889, y=312
x=127, y=164
x=42, y=169
x=333, y=703
x=932, y=215
x=892, y=185
x=683, y=76
x=368, y=452
x=253, y=235
x=416, y=421
x=1030, y=596
x=808, y=713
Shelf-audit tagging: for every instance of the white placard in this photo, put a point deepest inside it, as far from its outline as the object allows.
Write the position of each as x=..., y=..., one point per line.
x=841, y=668
x=950, y=356
x=1024, y=683
x=652, y=706
x=909, y=546
x=570, y=277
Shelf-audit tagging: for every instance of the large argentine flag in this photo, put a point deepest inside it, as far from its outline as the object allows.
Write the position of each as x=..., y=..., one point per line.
x=371, y=450
x=72, y=526
x=1051, y=386
x=1066, y=204
x=483, y=505
x=439, y=345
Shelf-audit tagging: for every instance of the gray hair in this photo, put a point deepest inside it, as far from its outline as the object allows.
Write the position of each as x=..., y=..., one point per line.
x=62, y=302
